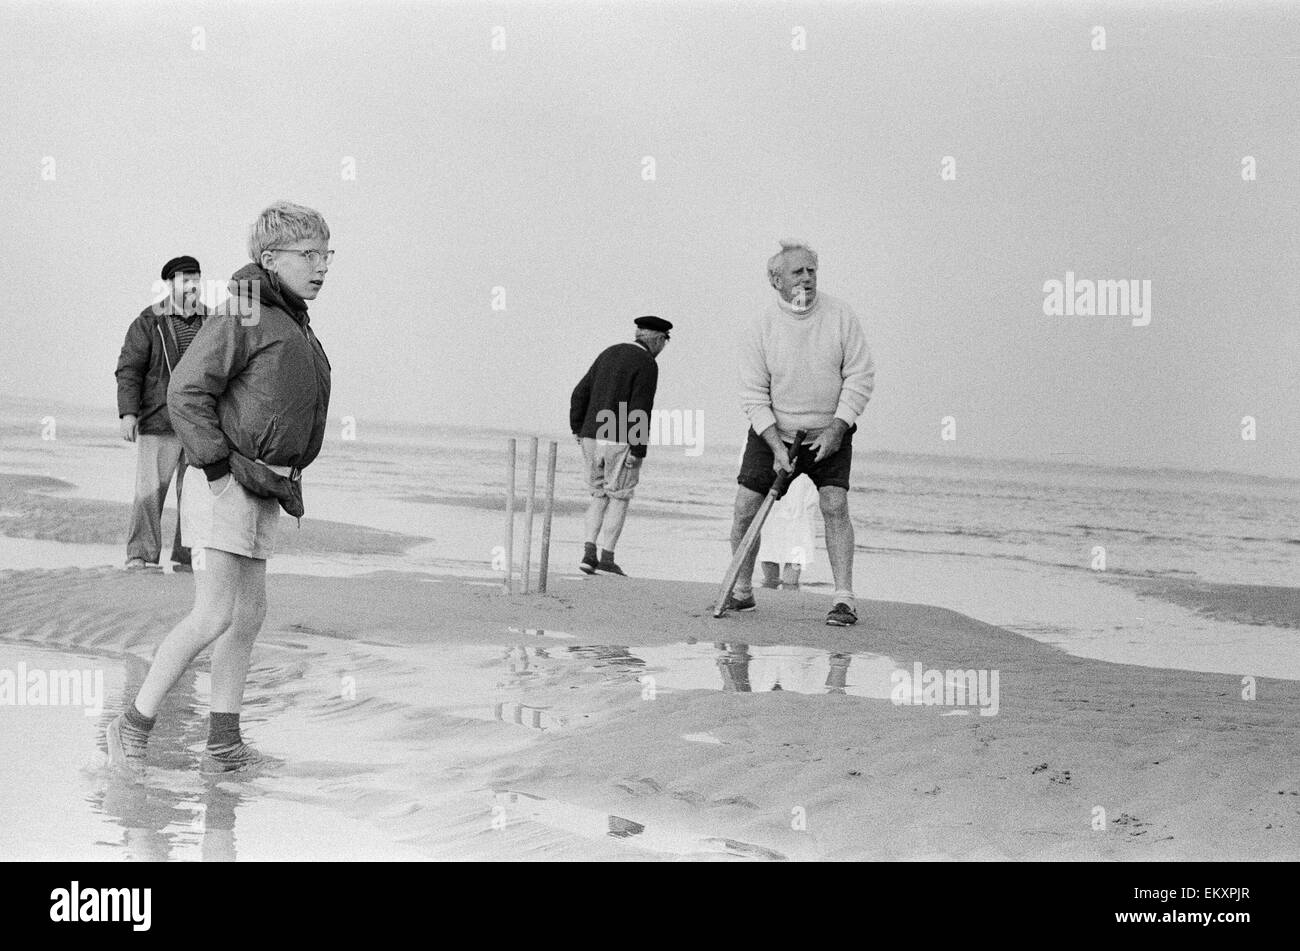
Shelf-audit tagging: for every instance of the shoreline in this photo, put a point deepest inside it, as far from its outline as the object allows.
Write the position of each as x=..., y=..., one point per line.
x=1156, y=621
x=1160, y=751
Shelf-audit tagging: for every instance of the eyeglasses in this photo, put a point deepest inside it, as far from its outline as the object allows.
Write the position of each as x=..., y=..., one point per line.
x=312, y=257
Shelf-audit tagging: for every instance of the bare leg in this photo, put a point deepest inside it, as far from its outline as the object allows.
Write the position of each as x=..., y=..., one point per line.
x=790, y=576
x=839, y=537
x=747, y=505
x=214, y=606
x=595, y=515
x=234, y=648
x=771, y=574
x=612, y=528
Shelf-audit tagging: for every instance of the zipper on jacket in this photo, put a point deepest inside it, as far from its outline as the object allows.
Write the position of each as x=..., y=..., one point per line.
x=166, y=359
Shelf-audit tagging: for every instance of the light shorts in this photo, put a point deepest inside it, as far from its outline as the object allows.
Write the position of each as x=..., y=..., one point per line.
x=608, y=474
x=235, y=520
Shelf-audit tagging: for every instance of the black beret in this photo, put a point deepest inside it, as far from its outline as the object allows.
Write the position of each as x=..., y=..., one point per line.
x=654, y=323
x=181, y=265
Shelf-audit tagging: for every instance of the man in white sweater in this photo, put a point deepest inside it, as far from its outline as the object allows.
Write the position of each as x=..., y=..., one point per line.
x=804, y=365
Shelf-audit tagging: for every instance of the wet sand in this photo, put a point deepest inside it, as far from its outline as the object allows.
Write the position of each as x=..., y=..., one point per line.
x=37, y=507
x=1239, y=603
x=616, y=719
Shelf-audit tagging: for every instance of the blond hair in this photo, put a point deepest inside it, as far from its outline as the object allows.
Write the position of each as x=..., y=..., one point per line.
x=284, y=221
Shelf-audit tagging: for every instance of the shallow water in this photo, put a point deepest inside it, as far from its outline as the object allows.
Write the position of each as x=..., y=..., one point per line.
x=384, y=747
x=1009, y=543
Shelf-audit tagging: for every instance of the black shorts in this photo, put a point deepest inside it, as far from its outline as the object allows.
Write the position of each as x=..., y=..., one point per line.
x=757, y=474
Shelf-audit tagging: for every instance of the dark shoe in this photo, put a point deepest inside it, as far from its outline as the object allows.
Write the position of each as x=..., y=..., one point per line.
x=235, y=758
x=841, y=615
x=738, y=604
x=588, y=564
x=610, y=568
x=126, y=745
x=183, y=566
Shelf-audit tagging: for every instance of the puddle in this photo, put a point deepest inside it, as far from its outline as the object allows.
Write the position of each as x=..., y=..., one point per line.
x=59, y=802
x=731, y=667
x=511, y=806
x=702, y=738
x=381, y=744
x=538, y=632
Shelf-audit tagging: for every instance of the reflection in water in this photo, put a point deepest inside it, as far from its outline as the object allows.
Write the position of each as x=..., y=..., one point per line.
x=156, y=818
x=58, y=808
x=157, y=815
x=733, y=662
x=736, y=667
x=537, y=718
x=604, y=655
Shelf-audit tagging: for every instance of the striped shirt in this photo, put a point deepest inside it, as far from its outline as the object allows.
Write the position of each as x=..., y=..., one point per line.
x=185, y=329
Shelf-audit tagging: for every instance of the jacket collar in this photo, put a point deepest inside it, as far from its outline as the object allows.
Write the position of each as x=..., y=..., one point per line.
x=270, y=291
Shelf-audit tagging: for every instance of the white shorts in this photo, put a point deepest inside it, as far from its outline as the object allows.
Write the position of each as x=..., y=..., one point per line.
x=235, y=520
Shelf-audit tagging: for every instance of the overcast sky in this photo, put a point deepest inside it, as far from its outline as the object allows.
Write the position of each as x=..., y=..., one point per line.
x=523, y=169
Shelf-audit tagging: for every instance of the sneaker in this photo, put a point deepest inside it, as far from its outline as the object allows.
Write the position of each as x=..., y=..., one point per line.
x=610, y=568
x=126, y=745
x=183, y=567
x=588, y=564
x=135, y=564
x=841, y=615
x=740, y=604
x=235, y=758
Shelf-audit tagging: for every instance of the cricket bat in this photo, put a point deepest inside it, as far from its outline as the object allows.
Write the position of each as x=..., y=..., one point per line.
x=747, y=543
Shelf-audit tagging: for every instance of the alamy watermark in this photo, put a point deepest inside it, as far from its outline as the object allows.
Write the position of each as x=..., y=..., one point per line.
x=657, y=428
x=74, y=904
x=1089, y=298
x=36, y=687
x=945, y=688
x=234, y=298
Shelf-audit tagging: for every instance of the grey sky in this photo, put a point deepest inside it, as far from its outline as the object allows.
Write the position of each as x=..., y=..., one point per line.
x=522, y=169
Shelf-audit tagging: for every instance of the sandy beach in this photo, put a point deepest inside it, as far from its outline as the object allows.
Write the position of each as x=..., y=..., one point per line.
x=449, y=720
x=420, y=712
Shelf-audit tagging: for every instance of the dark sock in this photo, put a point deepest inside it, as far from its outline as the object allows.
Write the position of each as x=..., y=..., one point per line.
x=223, y=729
x=138, y=719
x=606, y=555
x=588, y=549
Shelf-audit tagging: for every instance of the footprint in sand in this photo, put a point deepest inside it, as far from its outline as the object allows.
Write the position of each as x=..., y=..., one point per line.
x=1131, y=824
x=1059, y=777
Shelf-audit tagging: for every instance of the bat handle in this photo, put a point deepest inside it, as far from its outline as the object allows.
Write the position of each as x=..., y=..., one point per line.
x=783, y=479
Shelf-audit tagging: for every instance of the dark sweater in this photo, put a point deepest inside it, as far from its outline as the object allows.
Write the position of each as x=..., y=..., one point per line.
x=623, y=374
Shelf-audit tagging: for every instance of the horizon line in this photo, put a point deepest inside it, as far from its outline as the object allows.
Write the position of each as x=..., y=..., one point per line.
x=962, y=456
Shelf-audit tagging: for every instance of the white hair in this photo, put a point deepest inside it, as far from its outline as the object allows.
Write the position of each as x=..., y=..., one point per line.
x=787, y=245
x=284, y=221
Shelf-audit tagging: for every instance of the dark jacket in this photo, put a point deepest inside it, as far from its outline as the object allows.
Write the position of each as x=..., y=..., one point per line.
x=144, y=368
x=624, y=374
x=259, y=384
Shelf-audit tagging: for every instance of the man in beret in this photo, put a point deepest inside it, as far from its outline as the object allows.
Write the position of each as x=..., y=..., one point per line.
x=155, y=342
x=609, y=414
